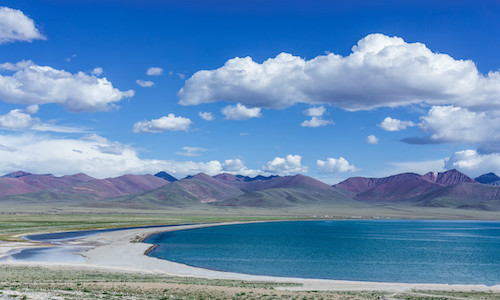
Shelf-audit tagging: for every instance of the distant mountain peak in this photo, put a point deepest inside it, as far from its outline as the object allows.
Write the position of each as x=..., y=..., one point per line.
x=452, y=177
x=202, y=176
x=430, y=176
x=489, y=178
x=229, y=177
x=166, y=176
x=17, y=174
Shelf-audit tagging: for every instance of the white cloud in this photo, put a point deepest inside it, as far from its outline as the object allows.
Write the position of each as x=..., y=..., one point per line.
x=169, y=122
x=291, y=164
x=191, y=151
x=371, y=139
x=390, y=124
x=233, y=164
x=19, y=119
x=316, y=122
x=474, y=163
x=97, y=157
x=154, y=71
x=240, y=112
x=207, y=116
x=181, y=76
x=93, y=155
x=31, y=109
x=456, y=124
x=97, y=71
x=381, y=71
x=335, y=165
x=144, y=83
x=20, y=65
x=16, y=26
x=317, y=111
x=33, y=84
x=237, y=167
x=316, y=114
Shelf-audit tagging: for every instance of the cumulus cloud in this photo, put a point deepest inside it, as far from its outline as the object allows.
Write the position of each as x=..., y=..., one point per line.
x=154, y=71
x=98, y=157
x=381, y=71
x=16, y=26
x=237, y=166
x=371, y=139
x=97, y=71
x=207, y=116
x=20, y=65
x=474, y=163
x=31, y=109
x=169, y=122
x=451, y=124
x=21, y=119
x=144, y=83
x=456, y=124
x=191, y=151
x=335, y=165
x=316, y=114
x=92, y=154
x=33, y=84
x=317, y=111
x=291, y=164
x=316, y=122
x=233, y=164
x=240, y=112
x=390, y=124
x=17, y=120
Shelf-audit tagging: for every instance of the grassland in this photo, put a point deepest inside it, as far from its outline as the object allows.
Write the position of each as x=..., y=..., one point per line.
x=72, y=283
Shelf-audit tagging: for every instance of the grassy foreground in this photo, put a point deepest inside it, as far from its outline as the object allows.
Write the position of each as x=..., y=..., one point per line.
x=72, y=283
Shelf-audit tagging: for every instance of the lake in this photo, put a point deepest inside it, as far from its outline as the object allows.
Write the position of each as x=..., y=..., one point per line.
x=411, y=251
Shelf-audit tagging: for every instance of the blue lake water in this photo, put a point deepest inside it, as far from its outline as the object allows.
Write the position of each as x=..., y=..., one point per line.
x=453, y=252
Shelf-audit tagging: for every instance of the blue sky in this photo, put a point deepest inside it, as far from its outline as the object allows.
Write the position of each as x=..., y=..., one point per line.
x=288, y=93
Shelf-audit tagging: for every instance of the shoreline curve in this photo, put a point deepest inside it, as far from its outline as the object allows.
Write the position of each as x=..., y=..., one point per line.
x=124, y=251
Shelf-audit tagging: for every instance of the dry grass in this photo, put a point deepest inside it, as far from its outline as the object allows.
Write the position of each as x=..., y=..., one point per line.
x=74, y=283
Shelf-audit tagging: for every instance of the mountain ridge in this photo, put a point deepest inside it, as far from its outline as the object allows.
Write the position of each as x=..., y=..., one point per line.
x=451, y=189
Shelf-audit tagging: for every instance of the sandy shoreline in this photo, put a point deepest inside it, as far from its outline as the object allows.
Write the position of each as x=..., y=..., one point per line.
x=123, y=251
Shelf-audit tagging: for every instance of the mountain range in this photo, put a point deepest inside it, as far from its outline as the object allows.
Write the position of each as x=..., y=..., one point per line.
x=451, y=189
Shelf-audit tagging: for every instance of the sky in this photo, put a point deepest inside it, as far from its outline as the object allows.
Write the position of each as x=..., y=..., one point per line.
x=328, y=89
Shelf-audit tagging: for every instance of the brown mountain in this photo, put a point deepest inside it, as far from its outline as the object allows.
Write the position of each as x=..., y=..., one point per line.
x=118, y=186
x=49, y=186
x=197, y=190
x=447, y=189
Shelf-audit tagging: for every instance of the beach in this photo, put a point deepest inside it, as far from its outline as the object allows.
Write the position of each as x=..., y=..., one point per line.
x=123, y=251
